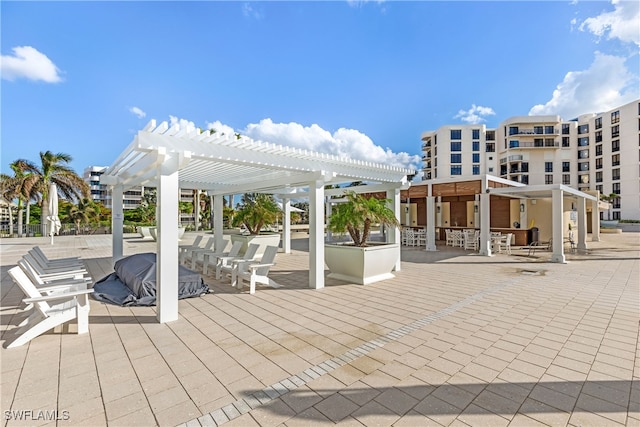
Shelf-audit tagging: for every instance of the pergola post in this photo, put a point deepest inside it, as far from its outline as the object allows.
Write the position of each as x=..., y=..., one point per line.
x=557, y=226
x=117, y=219
x=595, y=220
x=167, y=247
x=485, y=223
x=582, y=224
x=316, y=234
x=218, y=221
x=196, y=209
x=328, y=206
x=393, y=234
x=431, y=222
x=286, y=225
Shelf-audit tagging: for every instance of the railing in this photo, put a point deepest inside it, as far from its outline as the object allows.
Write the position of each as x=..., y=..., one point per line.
x=528, y=144
x=35, y=230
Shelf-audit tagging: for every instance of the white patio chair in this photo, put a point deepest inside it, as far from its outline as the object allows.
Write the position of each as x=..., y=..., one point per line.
x=470, y=240
x=193, y=253
x=182, y=249
x=51, y=279
x=449, y=238
x=420, y=237
x=37, y=253
x=255, y=272
x=45, y=265
x=54, y=273
x=226, y=263
x=57, y=308
x=207, y=257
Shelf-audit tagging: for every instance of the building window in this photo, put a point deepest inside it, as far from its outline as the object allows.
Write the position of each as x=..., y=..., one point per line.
x=549, y=130
x=456, y=146
x=456, y=134
x=599, y=163
x=538, y=142
x=583, y=142
x=599, y=188
x=598, y=176
x=475, y=146
x=615, y=145
x=599, y=136
x=548, y=179
x=514, y=143
x=491, y=148
x=599, y=123
x=615, y=131
x=490, y=135
x=615, y=215
x=566, y=179
x=513, y=130
x=566, y=166
x=524, y=179
x=583, y=154
x=615, y=188
x=537, y=130
x=566, y=129
x=616, y=203
x=615, y=160
x=524, y=166
x=615, y=174
x=475, y=133
x=583, y=166
x=548, y=166
x=599, y=150
x=456, y=170
x=476, y=169
x=476, y=157
x=615, y=117
x=490, y=169
x=456, y=158
x=565, y=141
x=583, y=129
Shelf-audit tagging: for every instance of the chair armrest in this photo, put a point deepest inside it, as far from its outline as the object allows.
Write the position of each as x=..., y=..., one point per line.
x=61, y=286
x=256, y=266
x=62, y=295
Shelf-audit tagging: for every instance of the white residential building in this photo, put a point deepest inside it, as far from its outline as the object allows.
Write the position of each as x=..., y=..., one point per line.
x=592, y=152
x=100, y=192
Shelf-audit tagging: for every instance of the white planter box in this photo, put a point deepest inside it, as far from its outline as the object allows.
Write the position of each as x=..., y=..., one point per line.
x=361, y=265
x=153, y=231
x=264, y=240
x=144, y=231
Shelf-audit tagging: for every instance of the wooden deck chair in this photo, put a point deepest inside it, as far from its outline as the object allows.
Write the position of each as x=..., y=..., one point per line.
x=182, y=249
x=255, y=272
x=55, y=262
x=208, y=257
x=55, y=273
x=225, y=263
x=194, y=253
x=57, y=308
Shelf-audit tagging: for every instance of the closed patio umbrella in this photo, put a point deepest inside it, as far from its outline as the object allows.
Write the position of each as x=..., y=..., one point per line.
x=54, y=221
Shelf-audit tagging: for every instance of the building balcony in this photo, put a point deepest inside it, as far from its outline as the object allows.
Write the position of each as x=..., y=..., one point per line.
x=534, y=132
x=530, y=144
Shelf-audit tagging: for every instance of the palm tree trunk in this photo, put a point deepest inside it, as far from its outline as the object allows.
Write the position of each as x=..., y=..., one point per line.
x=20, y=226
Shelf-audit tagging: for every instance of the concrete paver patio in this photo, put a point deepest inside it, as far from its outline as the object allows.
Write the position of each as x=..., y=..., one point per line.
x=454, y=339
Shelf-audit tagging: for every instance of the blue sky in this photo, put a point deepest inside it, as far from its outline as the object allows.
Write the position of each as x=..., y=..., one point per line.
x=363, y=79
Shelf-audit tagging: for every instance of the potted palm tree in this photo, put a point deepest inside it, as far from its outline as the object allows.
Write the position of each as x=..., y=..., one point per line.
x=257, y=212
x=361, y=261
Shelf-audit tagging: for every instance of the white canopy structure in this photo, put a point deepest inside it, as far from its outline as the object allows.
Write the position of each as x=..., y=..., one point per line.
x=170, y=158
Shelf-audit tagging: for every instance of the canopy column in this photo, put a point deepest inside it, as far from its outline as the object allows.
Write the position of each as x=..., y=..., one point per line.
x=196, y=209
x=393, y=235
x=595, y=220
x=316, y=234
x=218, y=221
x=286, y=225
x=167, y=247
x=431, y=219
x=485, y=223
x=582, y=224
x=557, y=226
x=117, y=218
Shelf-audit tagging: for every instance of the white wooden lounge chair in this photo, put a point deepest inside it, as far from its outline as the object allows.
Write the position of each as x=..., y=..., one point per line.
x=226, y=263
x=193, y=253
x=60, y=306
x=255, y=272
x=208, y=257
x=182, y=249
x=55, y=273
x=54, y=262
x=55, y=279
x=213, y=249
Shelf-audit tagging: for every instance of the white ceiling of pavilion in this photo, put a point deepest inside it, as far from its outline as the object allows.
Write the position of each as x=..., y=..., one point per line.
x=225, y=164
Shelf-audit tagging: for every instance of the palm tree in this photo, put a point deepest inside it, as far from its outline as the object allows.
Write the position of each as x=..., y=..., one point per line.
x=53, y=169
x=14, y=187
x=83, y=212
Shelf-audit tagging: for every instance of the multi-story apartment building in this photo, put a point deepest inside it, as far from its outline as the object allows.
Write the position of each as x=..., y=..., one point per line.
x=100, y=192
x=592, y=152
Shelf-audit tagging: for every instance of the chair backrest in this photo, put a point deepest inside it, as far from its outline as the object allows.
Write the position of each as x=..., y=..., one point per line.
x=235, y=249
x=197, y=240
x=28, y=269
x=267, y=258
x=37, y=266
x=210, y=243
x=251, y=251
x=28, y=288
x=225, y=244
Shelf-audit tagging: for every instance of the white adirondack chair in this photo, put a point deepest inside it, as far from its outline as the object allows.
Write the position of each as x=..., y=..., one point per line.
x=55, y=262
x=60, y=306
x=256, y=272
x=207, y=257
x=49, y=280
x=182, y=249
x=194, y=253
x=226, y=263
x=55, y=273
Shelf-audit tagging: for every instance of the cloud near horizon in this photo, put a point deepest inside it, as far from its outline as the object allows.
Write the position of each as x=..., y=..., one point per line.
x=606, y=84
x=620, y=23
x=28, y=63
x=349, y=143
x=475, y=114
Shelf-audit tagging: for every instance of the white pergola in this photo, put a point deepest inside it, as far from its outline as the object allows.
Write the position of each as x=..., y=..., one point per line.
x=171, y=158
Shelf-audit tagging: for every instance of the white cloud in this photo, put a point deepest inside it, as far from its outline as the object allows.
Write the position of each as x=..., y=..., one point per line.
x=607, y=83
x=183, y=123
x=475, y=114
x=137, y=112
x=221, y=128
x=28, y=63
x=250, y=12
x=359, y=3
x=621, y=23
x=344, y=142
